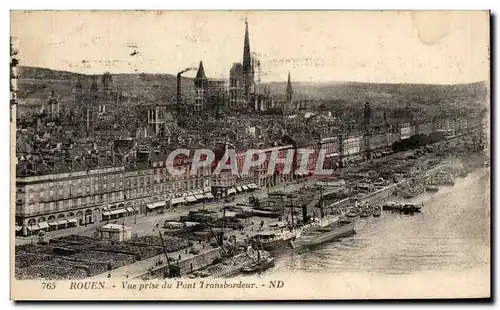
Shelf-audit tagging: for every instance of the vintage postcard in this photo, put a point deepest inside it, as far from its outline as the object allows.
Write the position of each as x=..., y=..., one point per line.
x=250, y=155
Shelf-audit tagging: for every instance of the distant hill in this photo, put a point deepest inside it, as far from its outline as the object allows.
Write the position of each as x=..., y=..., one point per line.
x=386, y=94
x=38, y=82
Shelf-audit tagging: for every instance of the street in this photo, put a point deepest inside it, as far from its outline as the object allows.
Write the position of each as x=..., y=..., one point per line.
x=146, y=224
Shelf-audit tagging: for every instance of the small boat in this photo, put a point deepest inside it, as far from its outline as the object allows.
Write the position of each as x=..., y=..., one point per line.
x=344, y=221
x=353, y=213
x=444, y=178
x=275, y=240
x=377, y=212
x=449, y=182
x=263, y=263
x=411, y=208
x=390, y=205
x=364, y=213
x=405, y=207
x=432, y=188
x=412, y=192
x=464, y=172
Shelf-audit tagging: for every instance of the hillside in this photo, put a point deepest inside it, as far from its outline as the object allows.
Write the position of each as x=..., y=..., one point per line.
x=387, y=94
x=38, y=82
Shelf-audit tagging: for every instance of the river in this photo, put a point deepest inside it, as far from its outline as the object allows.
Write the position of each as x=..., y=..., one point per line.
x=452, y=233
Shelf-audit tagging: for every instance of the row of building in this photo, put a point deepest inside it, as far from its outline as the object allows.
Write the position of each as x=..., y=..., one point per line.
x=100, y=108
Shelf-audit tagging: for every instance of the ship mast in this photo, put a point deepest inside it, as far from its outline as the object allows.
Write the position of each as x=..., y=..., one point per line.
x=321, y=202
x=223, y=223
x=285, y=196
x=171, y=273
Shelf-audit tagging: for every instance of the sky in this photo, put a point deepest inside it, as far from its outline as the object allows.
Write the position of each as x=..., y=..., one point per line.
x=446, y=47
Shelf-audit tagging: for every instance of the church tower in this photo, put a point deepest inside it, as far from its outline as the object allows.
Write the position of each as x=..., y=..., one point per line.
x=367, y=124
x=90, y=110
x=200, y=86
x=93, y=91
x=53, y=105
x=289, y=93
x=78, y=92
x=248, y=70
x=106, y=93
x=368, y=114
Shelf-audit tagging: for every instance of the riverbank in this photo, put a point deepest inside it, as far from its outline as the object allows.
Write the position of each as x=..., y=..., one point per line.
x=451, y=236
x=375, y=197
x=219, y=270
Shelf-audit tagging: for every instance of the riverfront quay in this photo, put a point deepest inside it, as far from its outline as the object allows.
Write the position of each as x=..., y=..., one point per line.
x=452, y=235
x=195, y=257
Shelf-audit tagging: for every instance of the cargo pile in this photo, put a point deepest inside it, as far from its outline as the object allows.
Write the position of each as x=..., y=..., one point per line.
x=197, y=236
x=29, y=259
x=56, y=269
x=172, y=244
x=76, y=257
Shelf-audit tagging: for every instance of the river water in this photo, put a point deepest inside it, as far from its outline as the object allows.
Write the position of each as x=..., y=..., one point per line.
x=452, y=233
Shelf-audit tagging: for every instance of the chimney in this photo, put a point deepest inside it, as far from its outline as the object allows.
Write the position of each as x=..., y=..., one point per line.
x=178, y=93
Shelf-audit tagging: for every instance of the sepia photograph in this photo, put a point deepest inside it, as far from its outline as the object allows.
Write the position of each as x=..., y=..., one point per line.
x=250, y=155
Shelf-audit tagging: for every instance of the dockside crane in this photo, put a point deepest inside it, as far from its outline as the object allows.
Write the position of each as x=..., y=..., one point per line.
x=219, y=237
x=173, y=271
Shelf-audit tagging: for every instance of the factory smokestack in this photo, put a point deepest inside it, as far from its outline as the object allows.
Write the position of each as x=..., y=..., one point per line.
x=178, y=92
x=186, y=70
x=179, y=75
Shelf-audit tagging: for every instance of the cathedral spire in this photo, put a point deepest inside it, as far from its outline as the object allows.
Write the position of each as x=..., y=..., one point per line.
x=247, y=60
x=289, y=92
x=289, y=89
x=200, y=85
x=201, y=72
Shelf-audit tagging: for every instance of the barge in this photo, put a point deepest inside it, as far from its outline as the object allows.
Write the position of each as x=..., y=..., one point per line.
x=321, y=235
x=405, y=207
